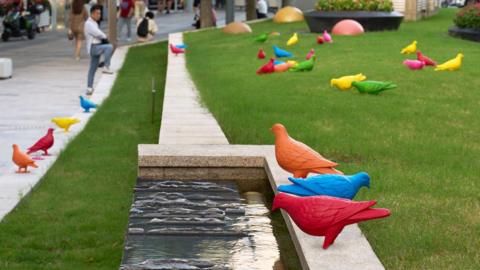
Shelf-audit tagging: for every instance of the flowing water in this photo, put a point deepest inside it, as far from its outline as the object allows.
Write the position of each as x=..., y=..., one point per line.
x=198, y=225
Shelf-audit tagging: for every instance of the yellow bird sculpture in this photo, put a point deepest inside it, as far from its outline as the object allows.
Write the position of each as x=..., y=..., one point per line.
x=412, y=48
x=345, y=82
x=452, y=64
x=65, y=122
x=293, y=40
x=292, y=63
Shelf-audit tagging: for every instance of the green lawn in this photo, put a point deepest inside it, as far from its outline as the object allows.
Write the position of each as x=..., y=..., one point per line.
x=76, y=217
x=419, y=142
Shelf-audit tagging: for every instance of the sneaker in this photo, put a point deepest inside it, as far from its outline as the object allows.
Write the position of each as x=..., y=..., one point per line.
x=101, y=64
x=89, y=91
x=107, y=70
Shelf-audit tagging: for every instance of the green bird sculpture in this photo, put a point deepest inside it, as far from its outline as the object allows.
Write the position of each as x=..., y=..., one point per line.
x=305, y=65
x=373, y=87
x=261, y=38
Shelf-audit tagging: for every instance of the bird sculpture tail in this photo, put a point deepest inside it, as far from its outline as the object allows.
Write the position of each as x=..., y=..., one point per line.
x=390, y=85
x=367, y=214
x=327, y=171
x=33, y=165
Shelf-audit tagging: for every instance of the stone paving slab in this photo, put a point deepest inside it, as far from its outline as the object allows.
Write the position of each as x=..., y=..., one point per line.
x=184, y=120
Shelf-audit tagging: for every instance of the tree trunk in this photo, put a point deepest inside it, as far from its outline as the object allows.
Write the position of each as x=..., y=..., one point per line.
x=206, y=13
x=251, y=9
x=286, y=3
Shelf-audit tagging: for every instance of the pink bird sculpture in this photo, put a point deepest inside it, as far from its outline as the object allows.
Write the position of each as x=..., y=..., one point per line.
x=327, y=37
x=261, y=54
x=267, y=68
x=297, y=158
x=414, y=64
x=43, y=143
x=310, y=54
x=428, y=61
x=325, y=215
x=176, y=50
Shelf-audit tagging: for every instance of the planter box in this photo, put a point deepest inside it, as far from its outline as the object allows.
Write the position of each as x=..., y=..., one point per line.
x=465, y=33
x=318, y=21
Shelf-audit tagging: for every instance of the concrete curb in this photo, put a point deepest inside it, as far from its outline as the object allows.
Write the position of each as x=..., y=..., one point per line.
x=13, y=186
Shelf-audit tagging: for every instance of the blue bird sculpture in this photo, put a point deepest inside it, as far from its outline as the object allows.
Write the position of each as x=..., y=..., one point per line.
x=278, y=62
x=181, y=46
x=281, y=53
x=296, y=190
x=335, y=185
x=87, y=104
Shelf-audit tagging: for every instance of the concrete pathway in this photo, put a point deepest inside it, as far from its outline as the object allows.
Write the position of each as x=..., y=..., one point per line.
x=184, y=120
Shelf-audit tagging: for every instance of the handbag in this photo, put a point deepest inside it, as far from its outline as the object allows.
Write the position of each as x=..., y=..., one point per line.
x=70, y=35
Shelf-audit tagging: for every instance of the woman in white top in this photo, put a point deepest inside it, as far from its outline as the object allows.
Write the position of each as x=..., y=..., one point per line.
x=262, y=9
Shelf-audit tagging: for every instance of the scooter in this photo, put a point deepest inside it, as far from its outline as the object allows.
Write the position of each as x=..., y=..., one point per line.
x=17, y=25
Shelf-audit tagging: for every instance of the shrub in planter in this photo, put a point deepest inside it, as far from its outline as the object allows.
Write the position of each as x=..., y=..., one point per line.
x=468, y=17
x=355, y=5
x=373, y=15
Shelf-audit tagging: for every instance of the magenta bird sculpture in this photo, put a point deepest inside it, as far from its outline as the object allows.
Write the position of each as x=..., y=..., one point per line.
x=327, y=37
x=310, y=54
x=325, y=215
x=414, y=64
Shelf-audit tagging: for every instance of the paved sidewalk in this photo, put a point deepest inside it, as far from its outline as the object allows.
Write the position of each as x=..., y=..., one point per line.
x=47, y=82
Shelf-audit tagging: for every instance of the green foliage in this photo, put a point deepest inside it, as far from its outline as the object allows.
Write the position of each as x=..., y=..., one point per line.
x=468, y=17
x=355, y=5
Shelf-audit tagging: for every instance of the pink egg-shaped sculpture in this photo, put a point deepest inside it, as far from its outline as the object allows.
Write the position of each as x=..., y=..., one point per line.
x=347, y=28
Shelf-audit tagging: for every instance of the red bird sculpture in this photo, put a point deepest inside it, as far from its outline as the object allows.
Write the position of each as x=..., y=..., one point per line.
x=319, y=39
x=176, y=50
x=261, y=54
x=267, y=68
x=43, y=143
x=326, y=216
x=297, y=158
x=310, y=54
x=428, y=61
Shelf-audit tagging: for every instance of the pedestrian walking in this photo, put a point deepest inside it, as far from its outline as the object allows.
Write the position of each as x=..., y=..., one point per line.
x=139, y=10
x=125, y=14
x=97, y=45
x=77, y=18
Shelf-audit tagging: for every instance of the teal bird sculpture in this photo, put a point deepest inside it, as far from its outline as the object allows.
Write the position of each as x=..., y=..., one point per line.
x=87, y=104
x=261, y=38
x=335, y=185
x=373, y=87
x=305, y=65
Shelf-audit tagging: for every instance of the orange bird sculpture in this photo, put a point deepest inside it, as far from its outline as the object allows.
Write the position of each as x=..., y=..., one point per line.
x=22, y=160
x=297, y=158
